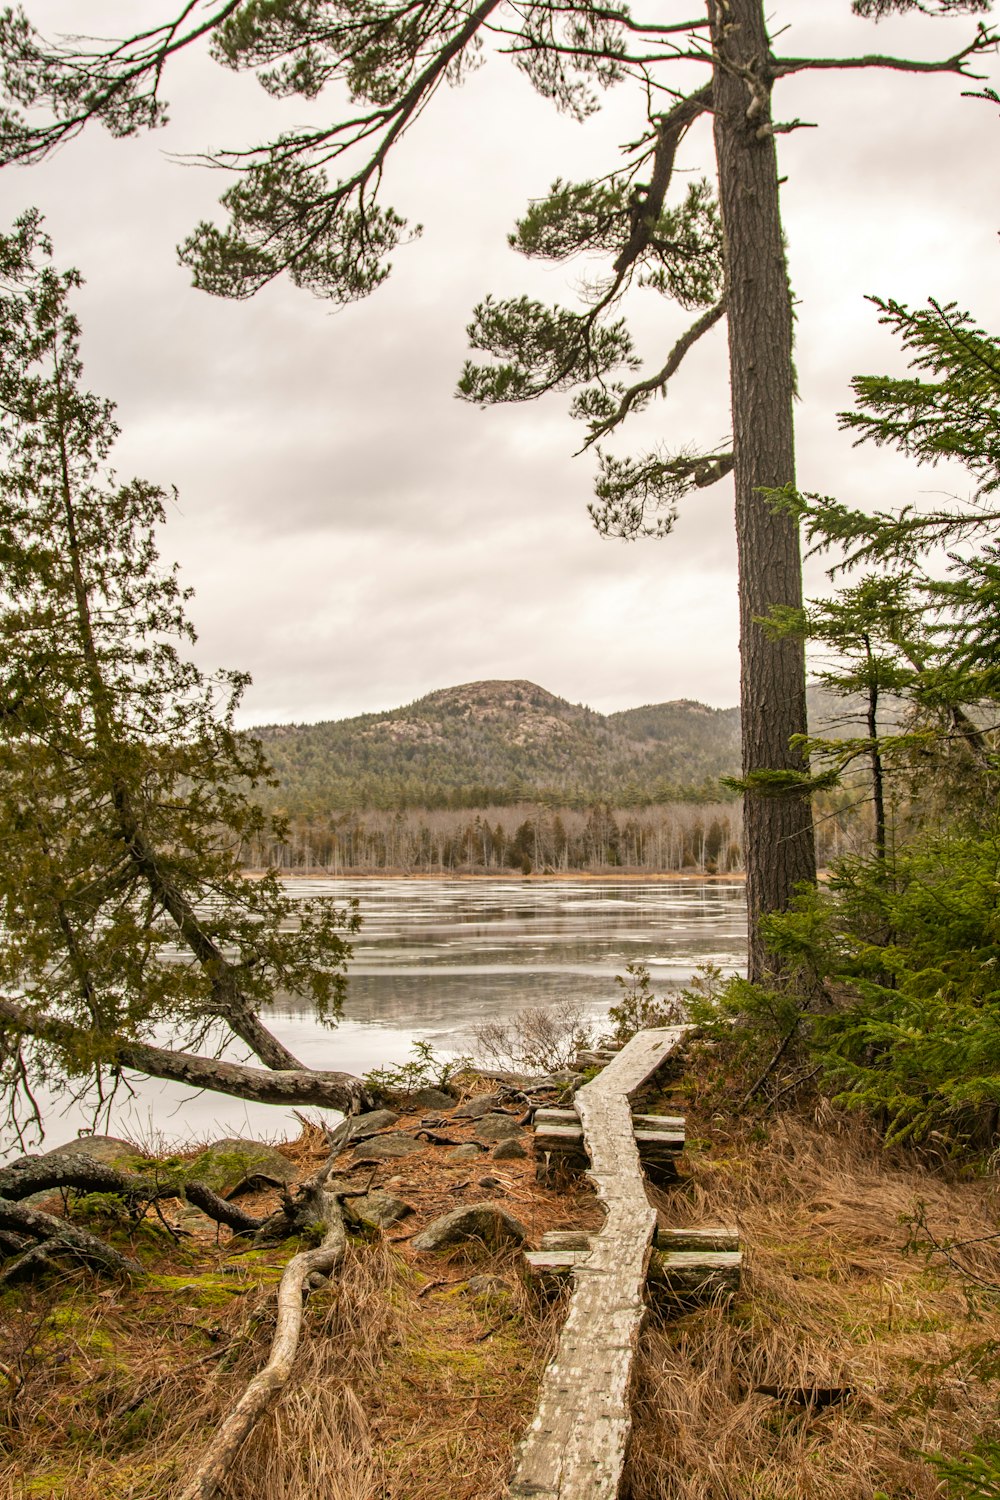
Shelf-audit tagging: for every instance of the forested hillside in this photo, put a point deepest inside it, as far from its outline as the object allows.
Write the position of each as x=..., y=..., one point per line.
x=495, y=744
x=496, y=776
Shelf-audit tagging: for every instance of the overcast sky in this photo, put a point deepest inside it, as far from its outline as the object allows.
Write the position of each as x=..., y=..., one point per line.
x=355, y=535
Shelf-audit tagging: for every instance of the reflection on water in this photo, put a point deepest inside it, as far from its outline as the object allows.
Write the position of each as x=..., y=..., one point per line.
x=434, y=957
x=442, y=955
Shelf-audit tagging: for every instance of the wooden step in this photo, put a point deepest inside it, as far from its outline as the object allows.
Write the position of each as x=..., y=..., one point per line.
x=551, y=1116
x=713, y=1237
x=697, y=1274
x=653, y=1145
x=707, y=1237
x=565, y=1239
x=554, y=1267
x=674, y=1274
x=660, y=1138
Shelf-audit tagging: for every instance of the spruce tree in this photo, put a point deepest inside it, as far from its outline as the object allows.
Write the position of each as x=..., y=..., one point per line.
x=125, y=790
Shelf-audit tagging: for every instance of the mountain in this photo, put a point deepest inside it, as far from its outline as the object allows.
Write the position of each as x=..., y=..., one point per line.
x=498, y=743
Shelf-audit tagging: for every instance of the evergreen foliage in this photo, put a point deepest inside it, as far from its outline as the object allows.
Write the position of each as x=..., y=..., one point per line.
x=308, y=203
x=897, y=989
x=123, y=784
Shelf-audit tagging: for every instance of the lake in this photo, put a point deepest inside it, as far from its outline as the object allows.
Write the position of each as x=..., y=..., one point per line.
x=436, y=957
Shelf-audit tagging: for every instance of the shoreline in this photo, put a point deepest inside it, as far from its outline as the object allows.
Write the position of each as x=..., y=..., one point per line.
x=646, y=877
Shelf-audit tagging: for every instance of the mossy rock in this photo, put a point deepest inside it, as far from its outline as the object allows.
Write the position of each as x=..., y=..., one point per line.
x=232, y=1166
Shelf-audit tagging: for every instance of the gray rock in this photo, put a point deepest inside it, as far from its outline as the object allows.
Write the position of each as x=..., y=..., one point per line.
x=475, y=1108
x=234, y=1165
x=431, y=1099
x=362, y=1126
x=359, y=1127
x=386, y=1147
x=379, y=1210
x=488, y=1222
x=497, y=1128
x=109, y=1149
x=489, y=1183
x=468, y=1152
x=509, y=1150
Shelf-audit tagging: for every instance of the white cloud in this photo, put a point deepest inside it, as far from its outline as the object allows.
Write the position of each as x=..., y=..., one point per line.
x=355, y=535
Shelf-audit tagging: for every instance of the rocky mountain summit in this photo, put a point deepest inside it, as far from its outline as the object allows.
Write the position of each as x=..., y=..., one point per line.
x=501, y=742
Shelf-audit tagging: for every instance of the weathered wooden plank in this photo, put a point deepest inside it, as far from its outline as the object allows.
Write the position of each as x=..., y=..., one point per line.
x=670, y=1276
x=708, y=1237
x=658, y=1142
x=659, y=1122
x=565, y=1140
x=566, y=1239
x=712, y=1237
x=694, y=1274
x=554, y=1266
x=575, y=1446
x=549, y=1115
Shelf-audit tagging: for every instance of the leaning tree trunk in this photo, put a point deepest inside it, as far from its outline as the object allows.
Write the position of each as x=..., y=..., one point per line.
x=780, y=852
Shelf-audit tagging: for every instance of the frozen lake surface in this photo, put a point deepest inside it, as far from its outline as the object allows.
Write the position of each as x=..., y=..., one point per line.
x=435, y=957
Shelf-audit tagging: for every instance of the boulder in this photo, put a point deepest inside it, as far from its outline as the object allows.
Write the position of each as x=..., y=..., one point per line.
x=488, y=1222
x=234, y=1165
x=497, y=1128
x=386, y=1147
x=509, y=1150
x=431, y=1099
x=488, y=1286
x=378, y=1209
x=109, y=1149
x=363, y=1126
x=359, y=1127
x=476, y=1107
x=468, y=1152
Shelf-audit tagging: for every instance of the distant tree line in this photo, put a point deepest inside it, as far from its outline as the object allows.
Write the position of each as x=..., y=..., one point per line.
x=702, y=838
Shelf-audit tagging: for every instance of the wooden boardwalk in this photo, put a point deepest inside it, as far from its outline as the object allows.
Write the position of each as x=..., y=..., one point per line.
x=575, y=1446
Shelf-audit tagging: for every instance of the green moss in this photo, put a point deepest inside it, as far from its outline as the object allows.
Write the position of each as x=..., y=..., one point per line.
x=72, y=1321
x=206, y=1290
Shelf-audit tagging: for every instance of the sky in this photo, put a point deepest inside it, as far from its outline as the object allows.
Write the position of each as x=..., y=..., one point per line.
x=355, y=535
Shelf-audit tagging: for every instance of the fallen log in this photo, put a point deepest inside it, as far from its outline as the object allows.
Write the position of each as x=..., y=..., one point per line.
x=75, y=1169
x=292, y=1086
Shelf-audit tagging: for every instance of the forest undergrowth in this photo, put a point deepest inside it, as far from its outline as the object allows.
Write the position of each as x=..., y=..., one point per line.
x=415, y=1379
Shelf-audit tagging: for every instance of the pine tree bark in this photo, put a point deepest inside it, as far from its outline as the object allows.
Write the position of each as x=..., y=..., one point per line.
x=779, y=845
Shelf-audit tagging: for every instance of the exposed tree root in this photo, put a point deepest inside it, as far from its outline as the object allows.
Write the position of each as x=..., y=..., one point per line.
x=33, y=1237
x=221, y=1210
x=266, y=1386
x=59, y=1237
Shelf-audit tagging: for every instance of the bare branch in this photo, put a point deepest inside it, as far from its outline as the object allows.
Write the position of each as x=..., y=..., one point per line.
x=124, y=65
x=985, y=40
x=672, y=128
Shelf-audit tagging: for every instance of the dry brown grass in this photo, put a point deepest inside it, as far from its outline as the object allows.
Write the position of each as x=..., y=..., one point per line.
x=831, y=1297
x=408, y=1385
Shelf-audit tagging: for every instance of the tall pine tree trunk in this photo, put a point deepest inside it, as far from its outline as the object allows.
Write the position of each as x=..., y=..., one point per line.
x=778, y=836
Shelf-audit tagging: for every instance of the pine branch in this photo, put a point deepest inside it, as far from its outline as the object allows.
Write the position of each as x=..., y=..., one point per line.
x=658, y=381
